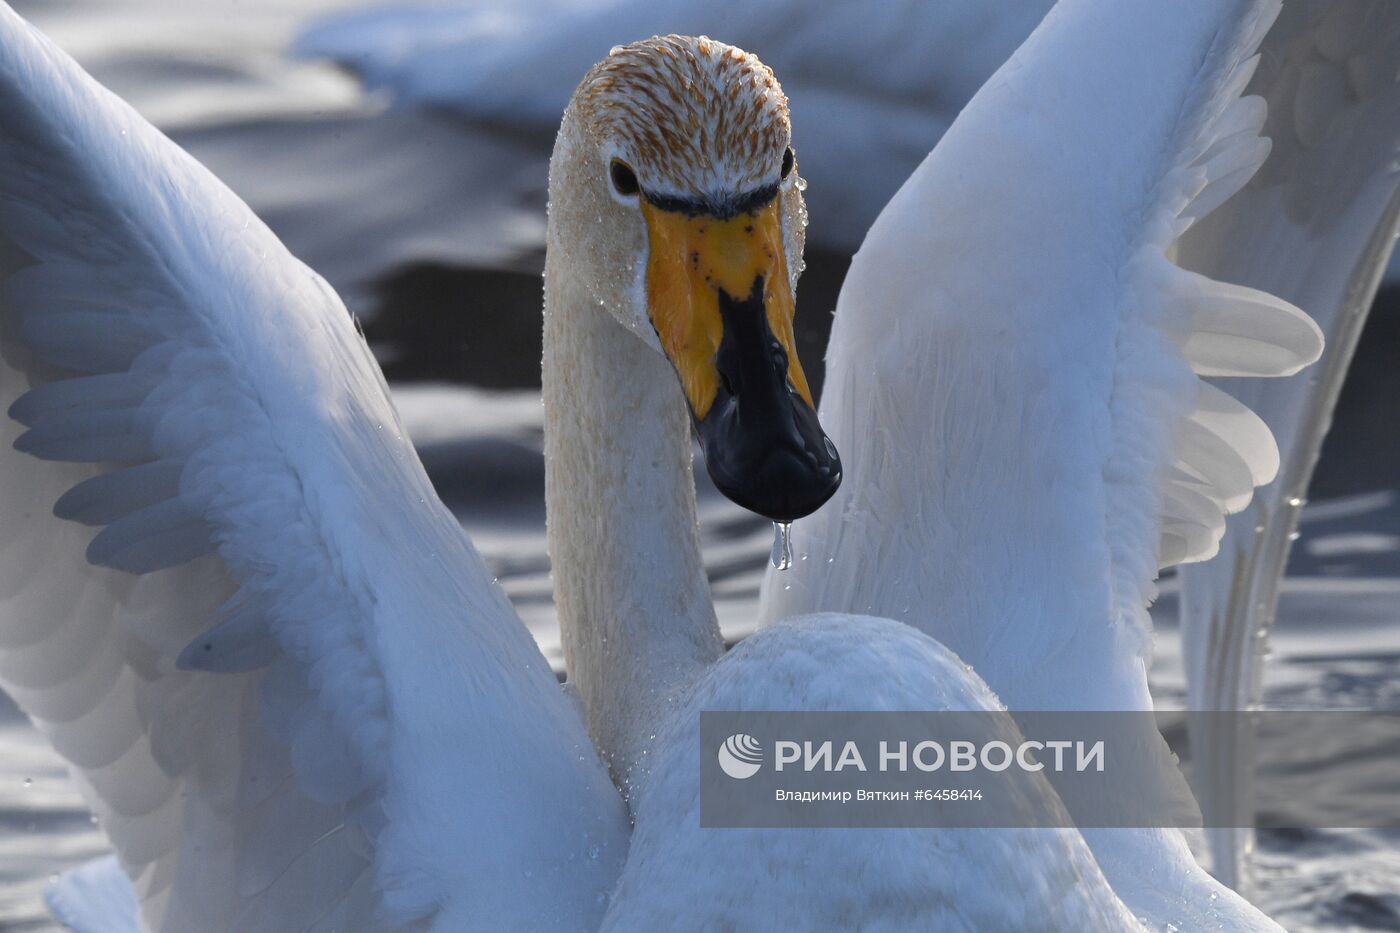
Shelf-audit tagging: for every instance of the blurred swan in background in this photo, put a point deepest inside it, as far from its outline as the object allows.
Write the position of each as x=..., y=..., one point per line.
x=367, y=731
x=904, y=72
x=1315, y=227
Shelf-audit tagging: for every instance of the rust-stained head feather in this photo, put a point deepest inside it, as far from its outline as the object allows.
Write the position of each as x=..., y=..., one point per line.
x=695, y=118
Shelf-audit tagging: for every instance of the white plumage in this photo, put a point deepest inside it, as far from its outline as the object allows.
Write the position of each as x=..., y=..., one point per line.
x=291, y=690
x=394, y=732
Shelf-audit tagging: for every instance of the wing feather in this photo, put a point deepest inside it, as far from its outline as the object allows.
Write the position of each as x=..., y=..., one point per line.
x=286, y=681
x=1239, y=331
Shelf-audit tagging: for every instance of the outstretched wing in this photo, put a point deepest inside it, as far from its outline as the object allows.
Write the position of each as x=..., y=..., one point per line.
x=281, y=673
x=1314, y=226
x=1013, y=369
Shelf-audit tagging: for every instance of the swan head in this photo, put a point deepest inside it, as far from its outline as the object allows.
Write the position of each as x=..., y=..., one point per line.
x=674, y=164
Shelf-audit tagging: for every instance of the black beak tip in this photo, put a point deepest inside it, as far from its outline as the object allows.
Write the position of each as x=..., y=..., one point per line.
x=785, y=488
x=782, y=475
x=764, y=447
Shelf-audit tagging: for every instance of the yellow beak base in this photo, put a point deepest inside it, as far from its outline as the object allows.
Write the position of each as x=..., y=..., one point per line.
x=691, y=260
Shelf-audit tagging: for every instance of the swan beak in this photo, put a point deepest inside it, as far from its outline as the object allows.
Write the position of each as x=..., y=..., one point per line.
x=719, y=297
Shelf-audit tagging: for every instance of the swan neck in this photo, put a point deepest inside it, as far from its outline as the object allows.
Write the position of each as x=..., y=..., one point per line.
x=636, y=617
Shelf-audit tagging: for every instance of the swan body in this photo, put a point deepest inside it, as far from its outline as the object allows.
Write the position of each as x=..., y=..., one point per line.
x=283, y=675
x=965, y=880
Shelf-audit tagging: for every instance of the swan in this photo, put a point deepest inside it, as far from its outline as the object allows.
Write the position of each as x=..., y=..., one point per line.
x=366, y=736
x=905, y=75
x=283, y=675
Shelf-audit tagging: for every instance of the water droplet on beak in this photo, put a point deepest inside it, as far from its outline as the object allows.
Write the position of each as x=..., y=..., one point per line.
x=782, y=545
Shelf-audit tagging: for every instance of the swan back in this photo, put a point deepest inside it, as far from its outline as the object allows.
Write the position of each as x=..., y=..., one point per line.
x=847, y=878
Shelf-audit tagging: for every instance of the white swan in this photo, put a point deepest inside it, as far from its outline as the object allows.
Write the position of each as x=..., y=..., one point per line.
x=367, y=736
x=1326, y=199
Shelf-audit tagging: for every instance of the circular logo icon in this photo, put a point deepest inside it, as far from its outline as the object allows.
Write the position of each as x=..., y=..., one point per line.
x=740, y=756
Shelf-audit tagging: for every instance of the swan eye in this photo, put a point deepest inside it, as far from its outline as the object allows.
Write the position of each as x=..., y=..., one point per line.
x=787, y=162
x=624, y=180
